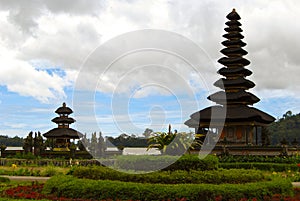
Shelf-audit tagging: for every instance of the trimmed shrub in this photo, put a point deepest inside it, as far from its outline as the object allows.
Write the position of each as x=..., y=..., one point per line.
x=172, y=177
x=50, y=171
x=164, y=162
x=4, y=180
x=144, y=163
x=259, y=159
x=68, y=186
x=193, y=162
x=277, y=167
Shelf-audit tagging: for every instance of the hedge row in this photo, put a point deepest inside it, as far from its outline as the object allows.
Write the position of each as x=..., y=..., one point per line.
x=68, y=186
x=170, y=163
x=277, y=167
x=172, y=177
x=260, y=159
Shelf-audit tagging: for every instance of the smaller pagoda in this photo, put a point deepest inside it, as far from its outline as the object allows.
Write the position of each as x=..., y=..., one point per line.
x=61, y=136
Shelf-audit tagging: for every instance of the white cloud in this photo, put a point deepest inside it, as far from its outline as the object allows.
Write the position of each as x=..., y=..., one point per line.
x=22, y=78
x=38, y=37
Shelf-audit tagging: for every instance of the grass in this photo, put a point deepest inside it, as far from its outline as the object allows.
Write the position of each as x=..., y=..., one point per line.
x=33, y=171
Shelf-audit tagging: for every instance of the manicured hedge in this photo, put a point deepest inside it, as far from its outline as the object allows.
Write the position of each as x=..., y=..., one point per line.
x=260, y=159
x=4, y=179
x=172, y=177
x=68, y=186
x=172, y=163
x=277, y=167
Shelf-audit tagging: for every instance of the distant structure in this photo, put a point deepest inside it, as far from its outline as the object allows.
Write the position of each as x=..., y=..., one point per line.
x=61, y=136
x=242, y=124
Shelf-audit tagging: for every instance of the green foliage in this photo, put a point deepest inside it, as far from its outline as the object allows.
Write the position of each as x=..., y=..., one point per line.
x=259, y=159
x=50, y=171
x=278, y=167
x=143, y=163
x=161, y=140
x=287, y=127
x=4, y=180
x=128, y=141
x=13, y=142
x=193, y=162
x=150, y=163
x=171, y=177
x=27, y=156
x=68, y=186
x=172, y=143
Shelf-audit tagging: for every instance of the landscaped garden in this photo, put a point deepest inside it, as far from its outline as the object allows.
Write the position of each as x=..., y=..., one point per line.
x=189, y=178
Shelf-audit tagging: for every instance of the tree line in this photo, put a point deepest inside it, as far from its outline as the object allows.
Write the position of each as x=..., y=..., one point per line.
x=285, y=129
x=11, y=141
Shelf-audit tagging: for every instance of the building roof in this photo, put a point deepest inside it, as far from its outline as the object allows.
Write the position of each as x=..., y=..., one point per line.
x=63, y=119
x=233, y=100
x=238, y=97
x=63, y=133
x=64, y=110
x=217, y=114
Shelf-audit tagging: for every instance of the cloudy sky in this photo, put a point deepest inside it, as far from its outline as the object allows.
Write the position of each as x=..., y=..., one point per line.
x=124, y=66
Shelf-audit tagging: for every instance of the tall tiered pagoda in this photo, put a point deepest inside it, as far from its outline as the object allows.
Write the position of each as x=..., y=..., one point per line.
x=232, y=118
x=62, y=135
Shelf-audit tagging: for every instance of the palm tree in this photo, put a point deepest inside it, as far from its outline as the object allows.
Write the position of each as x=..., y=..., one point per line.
x=172, y=143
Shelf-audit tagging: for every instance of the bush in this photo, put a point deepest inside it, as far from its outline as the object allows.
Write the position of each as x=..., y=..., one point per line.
x=170, y=163
x=193, y=162
x=4, y=180
x=260, y=159
x=50, y=171
x=68, y=186
x=277, y=167
x=171, y=177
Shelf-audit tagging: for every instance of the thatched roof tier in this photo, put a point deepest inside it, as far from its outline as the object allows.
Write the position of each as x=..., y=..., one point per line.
x=64, y=110
x=233, y=23
x=233, y=15
x=63, y=133
x=239, y=97
x=241, y=114
x=226, y=61
x=234, y=83
x=228, y=51
x=227, y=72
x=233, y=43
x=233, y=36
x=63, y=119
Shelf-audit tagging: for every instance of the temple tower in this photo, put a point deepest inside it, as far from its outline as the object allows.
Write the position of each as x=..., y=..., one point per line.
x=62, y=135
x=242, y=123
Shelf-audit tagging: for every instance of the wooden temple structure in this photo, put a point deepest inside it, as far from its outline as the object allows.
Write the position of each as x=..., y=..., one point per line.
x=61, y=136
x=233, y=119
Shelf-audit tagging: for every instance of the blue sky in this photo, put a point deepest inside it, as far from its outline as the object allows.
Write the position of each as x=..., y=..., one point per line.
x=123, y=66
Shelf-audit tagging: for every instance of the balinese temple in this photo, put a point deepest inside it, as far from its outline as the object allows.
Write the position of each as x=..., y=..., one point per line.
x=62, y=135
x=232, y=119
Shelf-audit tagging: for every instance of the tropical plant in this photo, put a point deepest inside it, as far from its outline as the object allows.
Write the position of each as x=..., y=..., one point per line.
x=172, y=143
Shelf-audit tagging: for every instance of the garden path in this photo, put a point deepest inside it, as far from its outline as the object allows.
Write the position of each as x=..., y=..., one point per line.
x=26, y=178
